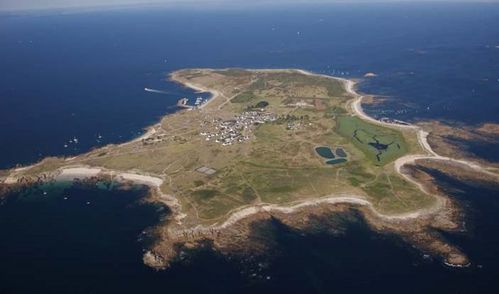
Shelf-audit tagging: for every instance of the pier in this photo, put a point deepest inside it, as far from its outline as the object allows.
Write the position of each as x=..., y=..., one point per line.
x=182, y=102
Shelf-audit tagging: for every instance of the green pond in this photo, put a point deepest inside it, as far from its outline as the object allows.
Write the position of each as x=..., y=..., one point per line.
x=325, y=152
x=328, y=154
x=336, y=161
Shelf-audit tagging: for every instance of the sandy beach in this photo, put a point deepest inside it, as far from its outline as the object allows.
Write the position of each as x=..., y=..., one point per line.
x=214, y=94
x=72, y=173
x=150, y=131
x=141, y=179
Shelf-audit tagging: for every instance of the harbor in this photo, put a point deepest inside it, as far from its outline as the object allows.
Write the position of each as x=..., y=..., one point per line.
x=184, y=102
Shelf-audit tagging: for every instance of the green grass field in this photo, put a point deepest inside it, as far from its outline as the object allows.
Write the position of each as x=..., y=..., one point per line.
x=244, y=97
x=381, y=145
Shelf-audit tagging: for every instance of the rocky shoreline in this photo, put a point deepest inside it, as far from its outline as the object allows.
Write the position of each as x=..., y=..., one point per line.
x=233, y=234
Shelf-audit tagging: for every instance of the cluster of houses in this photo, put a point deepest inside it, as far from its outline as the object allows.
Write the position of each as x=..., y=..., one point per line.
x=293, y=125
x=237, y=130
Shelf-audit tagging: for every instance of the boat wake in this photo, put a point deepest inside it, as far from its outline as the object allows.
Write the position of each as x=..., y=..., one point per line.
x=155, y=91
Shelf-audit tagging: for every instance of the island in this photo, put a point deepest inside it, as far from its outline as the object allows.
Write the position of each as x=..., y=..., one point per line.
x=285, y=145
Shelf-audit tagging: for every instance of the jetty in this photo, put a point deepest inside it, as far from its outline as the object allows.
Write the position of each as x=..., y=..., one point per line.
x=182, y=102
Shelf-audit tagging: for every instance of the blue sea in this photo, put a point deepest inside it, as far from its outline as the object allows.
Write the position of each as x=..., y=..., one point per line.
x=74, y=74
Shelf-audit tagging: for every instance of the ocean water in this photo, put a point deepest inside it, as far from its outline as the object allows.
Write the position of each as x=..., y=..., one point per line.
x=67, y=75
x=92, y=242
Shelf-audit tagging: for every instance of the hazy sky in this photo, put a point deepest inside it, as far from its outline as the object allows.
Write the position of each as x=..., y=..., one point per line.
x=44, y=4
